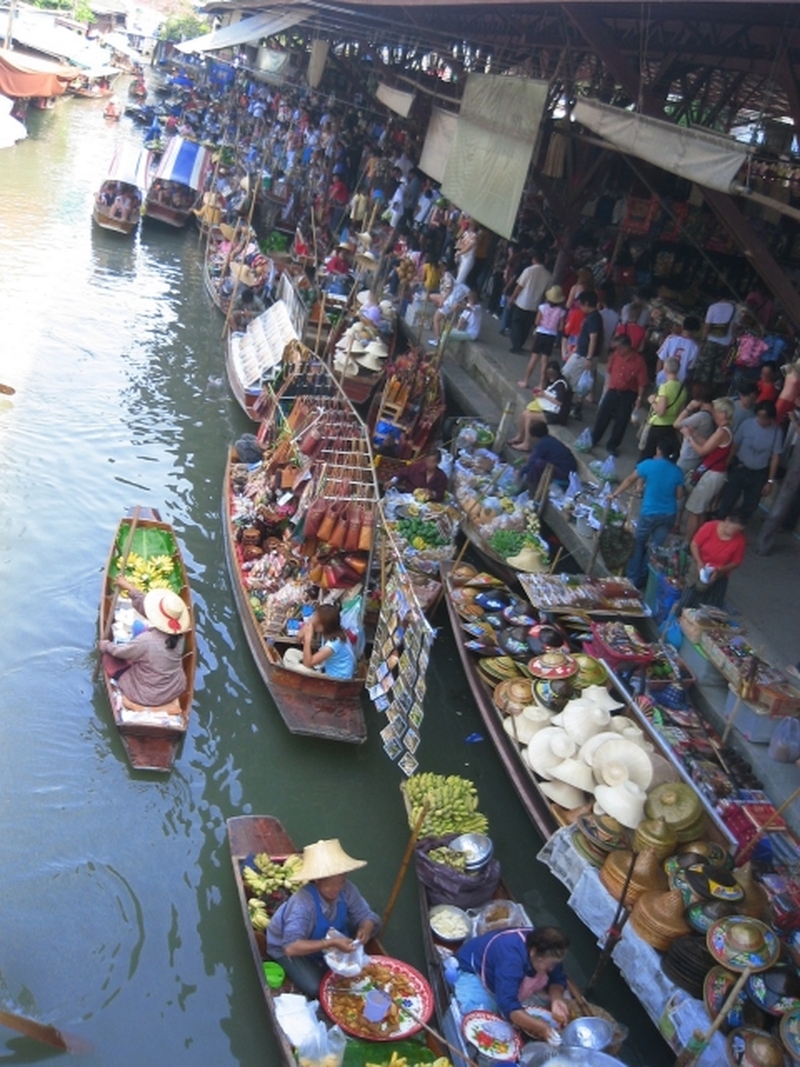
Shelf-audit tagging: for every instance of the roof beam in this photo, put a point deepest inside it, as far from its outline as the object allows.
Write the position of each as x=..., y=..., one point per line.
x=788, y=81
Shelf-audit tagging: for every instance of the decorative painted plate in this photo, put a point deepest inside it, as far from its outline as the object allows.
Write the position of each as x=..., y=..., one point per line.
x=343, y=999
x=790, y=1032
x=492, y=1035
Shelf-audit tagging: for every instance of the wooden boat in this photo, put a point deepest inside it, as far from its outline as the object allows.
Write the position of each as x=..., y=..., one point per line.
x=151, y=736
x=536, y=804
x=250, y=835
x=118, y=202
x=178, y=182
x=305, y=408
x=256, y=354
x=95, y=84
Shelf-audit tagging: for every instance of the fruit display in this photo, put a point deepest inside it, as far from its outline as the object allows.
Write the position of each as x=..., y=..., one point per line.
x=158, y=572
x=268, y=884
x=449, y=857
x=452, y=805
x=403, y=1061
x=420, y=533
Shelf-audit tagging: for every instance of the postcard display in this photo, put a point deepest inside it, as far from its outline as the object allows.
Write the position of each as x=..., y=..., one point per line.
x=396, y=674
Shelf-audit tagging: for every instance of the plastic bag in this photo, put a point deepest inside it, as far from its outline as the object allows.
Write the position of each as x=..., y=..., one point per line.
x=584, y=384
x=785, y=744
x=348, y=964
x=500, y=915
x=446, y=885
x=322, y=1047
x=575, y=485
x=584, y=440
x=351, y=624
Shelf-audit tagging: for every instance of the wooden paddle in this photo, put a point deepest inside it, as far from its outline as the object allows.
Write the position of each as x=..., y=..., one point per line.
x=398, y=882
x=113, y=606
x=699, y=1042
x=48, y=1035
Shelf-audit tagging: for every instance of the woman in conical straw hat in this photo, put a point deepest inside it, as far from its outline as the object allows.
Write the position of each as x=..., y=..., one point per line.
x=149, y=669
x=297, y=935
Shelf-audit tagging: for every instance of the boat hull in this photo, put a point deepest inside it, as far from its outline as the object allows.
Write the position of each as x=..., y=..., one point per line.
x=108, y=222
x=151, y=747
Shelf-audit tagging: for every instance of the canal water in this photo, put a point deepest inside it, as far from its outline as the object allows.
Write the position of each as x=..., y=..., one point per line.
x=120, y=917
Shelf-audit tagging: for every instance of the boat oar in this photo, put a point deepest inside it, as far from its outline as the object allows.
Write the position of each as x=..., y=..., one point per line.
x=109, y=622
x=699, y=1042
x=48, y=1035
x=398, y=882
x=435, y=1033
x=615, y=929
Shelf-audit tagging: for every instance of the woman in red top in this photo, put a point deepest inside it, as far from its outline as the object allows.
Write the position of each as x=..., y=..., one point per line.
x=717, y=549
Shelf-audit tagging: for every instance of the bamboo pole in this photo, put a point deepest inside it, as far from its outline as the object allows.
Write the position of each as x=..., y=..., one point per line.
x=398, y=882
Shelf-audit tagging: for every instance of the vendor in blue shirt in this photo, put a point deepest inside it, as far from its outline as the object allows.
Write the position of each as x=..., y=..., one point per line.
x=334, y=657
x=544, y=450
x=519, y=967
x=663, y=489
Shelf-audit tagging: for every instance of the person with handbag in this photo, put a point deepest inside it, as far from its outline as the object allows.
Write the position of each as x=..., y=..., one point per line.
x=665, y=406
x=663, y=490
x=625, y=385
x=757, y=447
x=550, y=405
x=705, y=482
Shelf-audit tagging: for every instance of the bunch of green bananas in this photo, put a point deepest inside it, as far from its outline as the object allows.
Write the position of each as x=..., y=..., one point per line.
x=259, y=919
x=452, y=805
x=158, y=572
x=268, y=877
x=449, y=857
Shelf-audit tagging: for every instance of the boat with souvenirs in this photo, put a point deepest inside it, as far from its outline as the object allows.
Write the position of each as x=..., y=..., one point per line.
x=178, y=182
x=118, y=201
x=299, y=530
x=146, y=551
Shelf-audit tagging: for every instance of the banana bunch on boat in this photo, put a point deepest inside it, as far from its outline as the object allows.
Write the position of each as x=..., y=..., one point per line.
x=259, y=919
x=402, y=1061
x=267, y=877
x=452, y=804
x=157, y=572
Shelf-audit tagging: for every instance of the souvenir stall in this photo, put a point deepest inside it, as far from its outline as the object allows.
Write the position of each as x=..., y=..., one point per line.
x=300, y=528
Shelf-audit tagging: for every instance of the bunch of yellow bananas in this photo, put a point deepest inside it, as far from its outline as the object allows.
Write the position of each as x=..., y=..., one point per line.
x=158, y=572
x=452, y=804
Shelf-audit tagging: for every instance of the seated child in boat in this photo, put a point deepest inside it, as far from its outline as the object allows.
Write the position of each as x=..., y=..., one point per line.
x=335, y=656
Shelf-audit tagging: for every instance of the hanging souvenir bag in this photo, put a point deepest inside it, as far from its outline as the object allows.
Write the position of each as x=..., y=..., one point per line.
x=353, y=533
x=367, y=531
x=326, y=527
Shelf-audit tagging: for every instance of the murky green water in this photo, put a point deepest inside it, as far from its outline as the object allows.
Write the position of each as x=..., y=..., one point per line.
x=120, y=919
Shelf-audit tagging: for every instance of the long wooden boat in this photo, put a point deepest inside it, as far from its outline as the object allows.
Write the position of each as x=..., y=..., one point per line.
x=256, y=354
x=127, y=180
x=151, y=736
x=251, y=835
x=307, y=407
x=178, y=182
x=536, y=804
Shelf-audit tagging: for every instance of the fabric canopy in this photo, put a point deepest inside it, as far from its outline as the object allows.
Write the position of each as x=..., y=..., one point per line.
x=496, y=132
x=26, y=76
x=438, y=143
x=710, y=159
x=248, y=31
x=398, y=101
x=316, y=62
x=184, y=162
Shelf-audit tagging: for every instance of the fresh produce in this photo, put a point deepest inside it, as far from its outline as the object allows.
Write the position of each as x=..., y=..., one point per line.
x=269, y=885
x=453, y=805
x=507, y=542
x=404, y=1061
x=449, y=857
x=259, y=919
x=420, y=533
x=157, y=572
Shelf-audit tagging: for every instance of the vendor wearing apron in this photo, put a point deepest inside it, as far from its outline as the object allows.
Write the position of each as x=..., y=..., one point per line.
x=296, y=936
x=521, y=967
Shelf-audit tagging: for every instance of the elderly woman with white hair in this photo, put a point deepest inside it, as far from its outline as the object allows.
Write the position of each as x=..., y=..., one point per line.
x=297, y=934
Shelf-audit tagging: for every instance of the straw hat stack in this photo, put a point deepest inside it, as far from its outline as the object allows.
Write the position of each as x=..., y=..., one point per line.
x=530, y=721
x=546, y=749
x=748, y=1047
x=658, y=918
x=656, y=834
x=679, y=805
x=687, y=963
x=647, y=874
x=598, y=835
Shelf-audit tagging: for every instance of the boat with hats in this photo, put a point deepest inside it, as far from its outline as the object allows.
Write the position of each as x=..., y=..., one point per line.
x=299, y=529
x=178, y=182
x=147, y=552
x=118, y=201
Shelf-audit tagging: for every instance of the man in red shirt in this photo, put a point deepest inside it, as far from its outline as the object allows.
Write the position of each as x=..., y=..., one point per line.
x=626, y=380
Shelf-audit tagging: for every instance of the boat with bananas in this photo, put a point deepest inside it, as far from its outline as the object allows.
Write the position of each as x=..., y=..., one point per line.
x=151, y=555
x=299, y=529
x=260, y=846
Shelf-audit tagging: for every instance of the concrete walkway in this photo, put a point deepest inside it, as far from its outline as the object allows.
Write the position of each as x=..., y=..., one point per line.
x=481, y=377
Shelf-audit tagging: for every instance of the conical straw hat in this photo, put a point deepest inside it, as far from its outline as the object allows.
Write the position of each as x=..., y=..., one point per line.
x=523, y=729
x=325, y=859
x=547, y=748
x=630, y=755
x=624, y=802
x=588, y=748
x=566, y=796
x=575, y=773
x=583, y=718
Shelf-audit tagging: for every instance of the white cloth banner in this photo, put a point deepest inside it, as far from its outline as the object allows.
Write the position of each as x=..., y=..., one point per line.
x=497, y=128
x=316, y=62
x=398, y=101
x=438, y=143
x=710, y=159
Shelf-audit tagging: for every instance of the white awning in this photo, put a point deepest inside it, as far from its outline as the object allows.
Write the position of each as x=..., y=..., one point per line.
x=248, y=31
x=710, y=159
